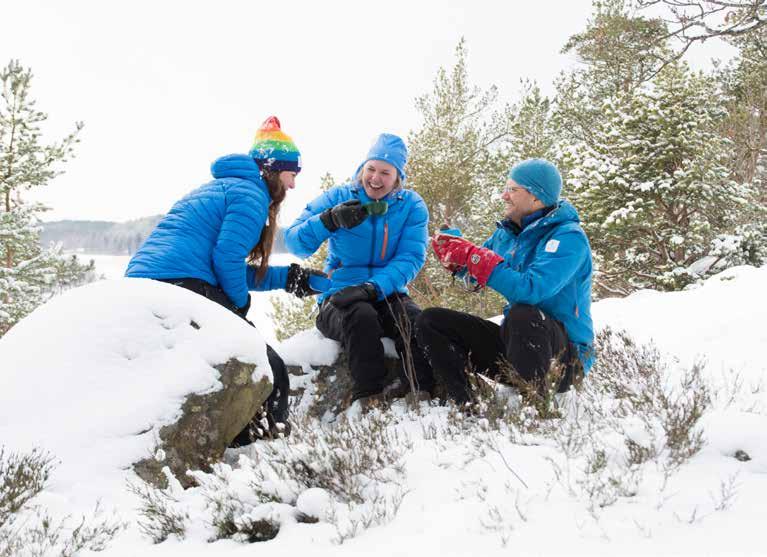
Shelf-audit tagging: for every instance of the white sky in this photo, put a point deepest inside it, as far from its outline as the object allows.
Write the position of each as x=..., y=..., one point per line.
x=165, y=87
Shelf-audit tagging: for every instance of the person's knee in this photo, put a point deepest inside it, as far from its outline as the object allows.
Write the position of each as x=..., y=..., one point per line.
x=521, y=315
x=430, y=318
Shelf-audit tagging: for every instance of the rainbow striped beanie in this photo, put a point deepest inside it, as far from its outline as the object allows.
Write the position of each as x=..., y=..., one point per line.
x=273, y=149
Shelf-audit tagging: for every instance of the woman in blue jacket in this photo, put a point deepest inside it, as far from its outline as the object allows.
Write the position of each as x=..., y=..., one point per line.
x=377, y=236
x=202, y=244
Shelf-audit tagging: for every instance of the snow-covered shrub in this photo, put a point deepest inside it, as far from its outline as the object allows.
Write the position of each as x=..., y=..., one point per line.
x=329, y=473
x=26, y=529
x=160, y=512
x=338, y=458
x=628, y=419
x=746, y=245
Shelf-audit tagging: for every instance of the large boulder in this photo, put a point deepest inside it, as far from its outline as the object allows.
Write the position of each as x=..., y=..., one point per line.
x=129, y=374
x=206, y=426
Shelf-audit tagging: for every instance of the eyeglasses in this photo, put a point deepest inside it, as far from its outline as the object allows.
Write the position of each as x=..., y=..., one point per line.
x=377, y=208
x=512, y=189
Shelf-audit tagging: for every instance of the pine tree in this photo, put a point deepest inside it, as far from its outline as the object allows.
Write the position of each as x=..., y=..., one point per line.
x=532, y=131
x=652, y=183
x=620, y=52
x=29, y=274
x=458, y=163
x=744, y=83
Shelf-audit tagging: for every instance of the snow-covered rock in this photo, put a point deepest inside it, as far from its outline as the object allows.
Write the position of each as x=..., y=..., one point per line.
x=93, y=376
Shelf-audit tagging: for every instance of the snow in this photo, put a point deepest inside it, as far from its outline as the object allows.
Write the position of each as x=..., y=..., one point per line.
x=722, y=322
x=92, y=374
x=458, y=486
x=315, y=502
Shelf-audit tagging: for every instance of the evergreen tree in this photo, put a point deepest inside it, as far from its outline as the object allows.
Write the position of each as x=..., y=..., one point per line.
x=744, y=83
x=621, y=49
x=532, y=131
x=620, y=52
x=29, y=274
x=458, y=159
x=652, y=183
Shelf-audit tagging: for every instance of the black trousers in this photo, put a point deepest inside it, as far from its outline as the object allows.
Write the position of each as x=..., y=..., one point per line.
x=528, y=340
x=360, y=327
x=277, y=403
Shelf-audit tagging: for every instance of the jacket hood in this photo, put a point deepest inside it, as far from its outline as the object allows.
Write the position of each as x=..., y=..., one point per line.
x=236, y=166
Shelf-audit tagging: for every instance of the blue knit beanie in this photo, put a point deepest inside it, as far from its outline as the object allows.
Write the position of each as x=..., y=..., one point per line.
x=539, y=177
x=388, y=148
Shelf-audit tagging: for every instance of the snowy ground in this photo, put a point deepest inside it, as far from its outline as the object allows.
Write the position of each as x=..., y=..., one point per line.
x=433, y=482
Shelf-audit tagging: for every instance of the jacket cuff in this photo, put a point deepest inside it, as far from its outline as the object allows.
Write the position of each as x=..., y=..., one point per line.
x=319, y=229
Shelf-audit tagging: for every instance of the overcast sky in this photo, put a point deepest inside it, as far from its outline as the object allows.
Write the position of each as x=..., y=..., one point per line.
x=165, y=87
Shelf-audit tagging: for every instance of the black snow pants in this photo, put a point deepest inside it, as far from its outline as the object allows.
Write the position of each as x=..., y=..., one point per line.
x=360, y=327
x=528, y=340
x=277, y=404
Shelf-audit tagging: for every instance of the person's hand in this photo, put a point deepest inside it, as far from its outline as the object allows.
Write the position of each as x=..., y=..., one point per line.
x=456, y=253
x=243, y=310
x=344, y=215
x=359, y=293
x=298, y=280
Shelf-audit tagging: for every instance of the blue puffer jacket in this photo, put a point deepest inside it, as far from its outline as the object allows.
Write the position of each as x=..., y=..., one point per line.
x=386, y=250
x=209, y=233
x=548, y=265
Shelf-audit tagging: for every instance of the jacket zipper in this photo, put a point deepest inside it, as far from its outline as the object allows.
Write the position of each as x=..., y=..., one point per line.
x=385, y=239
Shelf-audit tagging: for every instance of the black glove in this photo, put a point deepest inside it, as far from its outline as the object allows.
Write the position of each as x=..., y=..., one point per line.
x=243, y=311
x=359, y=293
x=298, y=280
x=344, y=215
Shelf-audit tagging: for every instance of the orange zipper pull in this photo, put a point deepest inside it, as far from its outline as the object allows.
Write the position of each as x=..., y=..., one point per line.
x=385, y=239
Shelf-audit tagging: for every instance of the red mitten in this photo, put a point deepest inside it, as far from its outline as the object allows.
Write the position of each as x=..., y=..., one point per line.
x=457, y=253
x=452, y=251
x=481, y=263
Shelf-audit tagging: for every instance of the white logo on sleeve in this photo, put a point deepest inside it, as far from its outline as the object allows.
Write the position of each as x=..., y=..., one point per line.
x=552, y=246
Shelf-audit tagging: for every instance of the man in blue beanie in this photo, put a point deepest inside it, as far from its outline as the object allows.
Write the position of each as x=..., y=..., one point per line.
x=539, y=259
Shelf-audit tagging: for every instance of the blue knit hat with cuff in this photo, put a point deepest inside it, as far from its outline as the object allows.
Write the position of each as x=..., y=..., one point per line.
x=388, y=148
x=539, y=177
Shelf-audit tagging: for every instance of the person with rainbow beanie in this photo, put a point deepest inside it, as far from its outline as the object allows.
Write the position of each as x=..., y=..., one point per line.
x=216, y=241
x=539, y=259
x=377, y=233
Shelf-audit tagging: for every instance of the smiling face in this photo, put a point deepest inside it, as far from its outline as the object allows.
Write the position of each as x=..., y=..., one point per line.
x=378, y=178
x=519, y=202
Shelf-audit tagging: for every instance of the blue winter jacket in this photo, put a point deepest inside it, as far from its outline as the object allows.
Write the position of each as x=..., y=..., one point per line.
x=209, y=233
x=548, y=265
x=386, y=250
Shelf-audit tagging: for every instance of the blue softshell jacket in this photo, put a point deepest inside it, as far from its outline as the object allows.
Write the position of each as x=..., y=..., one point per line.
x=386, y=250
x=209, y=233
x=548, y=264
